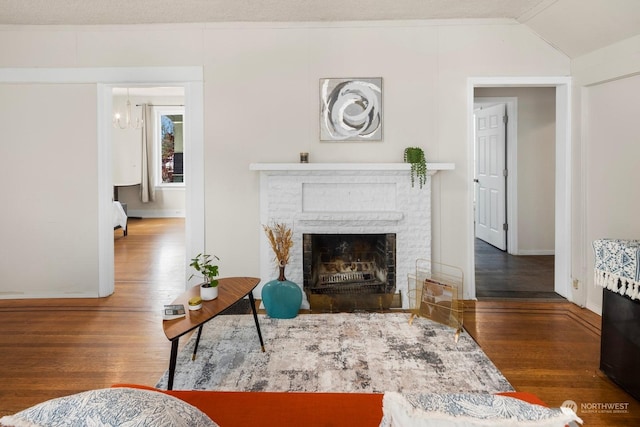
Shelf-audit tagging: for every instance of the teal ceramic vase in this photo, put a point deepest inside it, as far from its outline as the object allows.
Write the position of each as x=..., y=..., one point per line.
x=281, y=297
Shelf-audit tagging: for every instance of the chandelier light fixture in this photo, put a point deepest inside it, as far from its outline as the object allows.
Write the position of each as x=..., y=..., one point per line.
x=127, y=123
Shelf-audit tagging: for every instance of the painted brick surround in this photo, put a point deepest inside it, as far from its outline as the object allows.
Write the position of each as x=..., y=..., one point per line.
x=341, y=198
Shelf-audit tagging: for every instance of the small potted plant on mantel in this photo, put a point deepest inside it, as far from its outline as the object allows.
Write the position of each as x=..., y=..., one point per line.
x=203, y=264
x=415, y=156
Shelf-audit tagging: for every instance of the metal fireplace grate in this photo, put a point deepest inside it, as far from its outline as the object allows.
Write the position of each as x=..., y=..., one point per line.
x=356, y=276
x=350, y=278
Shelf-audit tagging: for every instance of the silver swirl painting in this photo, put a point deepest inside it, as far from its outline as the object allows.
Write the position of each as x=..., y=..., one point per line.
x=351, y=109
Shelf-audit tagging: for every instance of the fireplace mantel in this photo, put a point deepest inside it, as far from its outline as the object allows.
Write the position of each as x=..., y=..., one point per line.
x=432, y=168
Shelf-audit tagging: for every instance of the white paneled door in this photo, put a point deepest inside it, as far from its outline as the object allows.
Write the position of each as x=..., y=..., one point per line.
x=490, y=134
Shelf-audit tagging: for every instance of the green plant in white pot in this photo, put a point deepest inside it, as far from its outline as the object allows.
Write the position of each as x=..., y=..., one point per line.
x=204, y=264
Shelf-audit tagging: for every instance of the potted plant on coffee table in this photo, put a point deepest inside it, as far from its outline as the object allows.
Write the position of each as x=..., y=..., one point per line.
x=204, y=264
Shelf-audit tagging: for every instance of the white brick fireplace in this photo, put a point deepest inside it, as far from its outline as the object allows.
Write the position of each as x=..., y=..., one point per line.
x=346, y=198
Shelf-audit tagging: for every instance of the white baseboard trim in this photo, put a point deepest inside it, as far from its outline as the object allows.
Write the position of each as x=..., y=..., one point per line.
x=46, y=295
x=536, y=252
x=597, y=309
x=156, y=213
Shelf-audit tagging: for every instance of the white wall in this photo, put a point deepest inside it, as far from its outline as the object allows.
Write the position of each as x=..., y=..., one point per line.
x=49, y=215
x=261, y=101
x=606, y=148
x=536, y=117
x=127, y=145
x=613, y=109
x=612, y=199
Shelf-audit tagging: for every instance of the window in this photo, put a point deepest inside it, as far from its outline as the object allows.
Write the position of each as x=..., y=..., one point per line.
x=169, y=144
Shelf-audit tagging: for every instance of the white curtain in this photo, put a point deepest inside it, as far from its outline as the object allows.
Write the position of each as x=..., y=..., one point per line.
x=147, y=189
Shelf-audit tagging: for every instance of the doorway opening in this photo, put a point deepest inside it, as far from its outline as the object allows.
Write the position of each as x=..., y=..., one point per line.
x=514, y=236
x=190, y=80
x=149, y=145
x=536, y=195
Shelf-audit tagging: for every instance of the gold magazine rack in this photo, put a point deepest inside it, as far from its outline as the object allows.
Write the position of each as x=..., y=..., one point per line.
x=435, y=292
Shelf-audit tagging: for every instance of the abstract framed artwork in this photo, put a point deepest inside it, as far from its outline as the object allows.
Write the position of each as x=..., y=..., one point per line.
x=351, y=109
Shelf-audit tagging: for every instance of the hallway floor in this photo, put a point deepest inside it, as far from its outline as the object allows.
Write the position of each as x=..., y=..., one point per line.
x=503, y=276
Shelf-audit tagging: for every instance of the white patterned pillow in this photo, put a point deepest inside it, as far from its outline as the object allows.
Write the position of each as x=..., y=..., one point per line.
x=464, y=410
x=111, y=407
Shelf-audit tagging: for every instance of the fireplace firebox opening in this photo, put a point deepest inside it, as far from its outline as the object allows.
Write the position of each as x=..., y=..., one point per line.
x=349, y=271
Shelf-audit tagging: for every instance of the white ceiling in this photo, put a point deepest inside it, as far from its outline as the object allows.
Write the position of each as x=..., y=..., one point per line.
x=574, y=27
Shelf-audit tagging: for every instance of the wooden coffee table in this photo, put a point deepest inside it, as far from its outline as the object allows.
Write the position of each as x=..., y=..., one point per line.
x=230, y=291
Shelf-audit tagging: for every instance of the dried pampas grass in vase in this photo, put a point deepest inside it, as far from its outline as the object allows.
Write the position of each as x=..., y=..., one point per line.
x=281, y=239
x=282, y=298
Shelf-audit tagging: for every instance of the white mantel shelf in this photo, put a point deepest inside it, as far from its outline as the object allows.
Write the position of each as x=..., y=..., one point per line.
x=431, y=167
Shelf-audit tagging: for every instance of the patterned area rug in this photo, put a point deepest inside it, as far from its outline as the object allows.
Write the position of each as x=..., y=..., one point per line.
x=346, y=352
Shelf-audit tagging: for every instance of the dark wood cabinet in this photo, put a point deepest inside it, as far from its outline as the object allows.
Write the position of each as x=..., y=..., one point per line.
x=620, y=341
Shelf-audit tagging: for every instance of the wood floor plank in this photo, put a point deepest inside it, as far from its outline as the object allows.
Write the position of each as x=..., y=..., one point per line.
x=52, y=348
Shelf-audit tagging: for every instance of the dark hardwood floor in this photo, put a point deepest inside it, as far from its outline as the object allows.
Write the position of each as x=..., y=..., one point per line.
x=503, y=276
x=52, y=348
